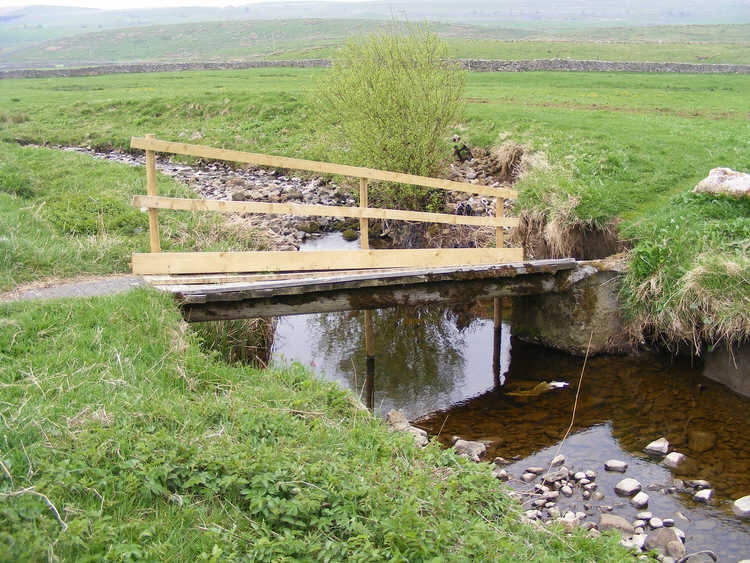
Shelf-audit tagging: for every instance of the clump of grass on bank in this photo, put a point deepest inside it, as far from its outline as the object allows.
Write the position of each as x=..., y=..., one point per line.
x=149, y=449
x=64, y=214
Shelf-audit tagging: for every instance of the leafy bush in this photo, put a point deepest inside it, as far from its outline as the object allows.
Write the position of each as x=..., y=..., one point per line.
x=391, y=98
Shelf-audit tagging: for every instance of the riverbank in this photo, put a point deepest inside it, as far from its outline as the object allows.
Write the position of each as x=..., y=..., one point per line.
x=128, y=440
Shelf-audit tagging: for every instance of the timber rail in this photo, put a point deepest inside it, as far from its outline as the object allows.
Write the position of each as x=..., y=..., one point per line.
x=182, y=263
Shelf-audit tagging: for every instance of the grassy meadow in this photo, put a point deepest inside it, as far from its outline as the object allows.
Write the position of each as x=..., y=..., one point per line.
x=624, y=148
x=319, y=38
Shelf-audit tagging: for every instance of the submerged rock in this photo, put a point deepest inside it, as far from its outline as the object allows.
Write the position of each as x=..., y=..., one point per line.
x=657, y=447
x=700, y=441
x=661, y=538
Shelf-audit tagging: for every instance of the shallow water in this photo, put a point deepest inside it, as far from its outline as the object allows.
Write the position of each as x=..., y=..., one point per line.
x=436, y=364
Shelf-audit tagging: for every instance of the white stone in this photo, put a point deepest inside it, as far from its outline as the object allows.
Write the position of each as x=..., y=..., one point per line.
x=627, y=487
x=725, y=181
x=566, y=490
x=674, y=459
x=579, y=475
x=657, y=447
x=704, y=495
x=640, y=500
x=615, y=465
x=645, y=515
x=741, y=507
x=655, y=522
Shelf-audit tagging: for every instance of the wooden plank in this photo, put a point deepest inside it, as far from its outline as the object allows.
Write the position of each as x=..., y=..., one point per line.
x=153, y=214
x=314, y=166
x=364, y=227
x=221, y=262
x=304, y=210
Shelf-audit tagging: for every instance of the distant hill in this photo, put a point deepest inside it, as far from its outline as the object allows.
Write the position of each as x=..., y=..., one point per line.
x=48, y=36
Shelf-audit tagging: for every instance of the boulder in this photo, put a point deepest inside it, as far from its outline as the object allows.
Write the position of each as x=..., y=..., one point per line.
x=627, y=487
x=469, y=449
x=725, y=181
x=615, y=465
x=741, y=507
x=657, y=447
x=613, y=522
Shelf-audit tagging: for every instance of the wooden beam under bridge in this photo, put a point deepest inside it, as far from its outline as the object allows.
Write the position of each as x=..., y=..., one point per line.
x=343, y=291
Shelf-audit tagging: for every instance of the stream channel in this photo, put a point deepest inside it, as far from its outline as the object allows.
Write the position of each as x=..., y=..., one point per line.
x=436, y=365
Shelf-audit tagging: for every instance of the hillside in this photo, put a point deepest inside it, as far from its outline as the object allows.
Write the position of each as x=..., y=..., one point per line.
x=318, y=38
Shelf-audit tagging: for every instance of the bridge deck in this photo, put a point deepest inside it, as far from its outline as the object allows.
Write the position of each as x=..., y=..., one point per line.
x=222, y=296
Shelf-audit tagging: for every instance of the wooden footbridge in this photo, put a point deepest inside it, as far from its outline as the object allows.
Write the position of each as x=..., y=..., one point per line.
x=229, y=285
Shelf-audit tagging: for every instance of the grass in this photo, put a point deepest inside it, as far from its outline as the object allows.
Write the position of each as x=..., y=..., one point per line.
x=318, y=38
x=65, y=214
x=129, y=443
x=624, y=148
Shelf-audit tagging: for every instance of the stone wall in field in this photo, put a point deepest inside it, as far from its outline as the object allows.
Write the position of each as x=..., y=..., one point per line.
x=477, y=65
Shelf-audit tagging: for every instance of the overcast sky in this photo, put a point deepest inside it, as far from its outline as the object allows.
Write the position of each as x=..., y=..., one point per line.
x=125, y=4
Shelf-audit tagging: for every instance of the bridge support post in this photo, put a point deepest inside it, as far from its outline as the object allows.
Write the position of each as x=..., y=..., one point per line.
x=153, y=214
x=369, y=361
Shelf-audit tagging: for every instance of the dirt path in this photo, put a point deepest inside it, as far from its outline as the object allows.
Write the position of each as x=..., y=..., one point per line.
x=78, y=287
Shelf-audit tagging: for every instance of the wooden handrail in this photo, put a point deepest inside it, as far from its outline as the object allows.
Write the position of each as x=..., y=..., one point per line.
x=258, y=159
x=226, y=262
x=183, y=204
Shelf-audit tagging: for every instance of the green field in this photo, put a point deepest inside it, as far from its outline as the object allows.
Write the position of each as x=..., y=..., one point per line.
x=623, y=148
x=318, y=38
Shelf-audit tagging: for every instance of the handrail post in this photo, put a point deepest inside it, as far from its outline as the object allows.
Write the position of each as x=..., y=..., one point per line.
x=363, y=222
x=153, y=214
x=499, y=211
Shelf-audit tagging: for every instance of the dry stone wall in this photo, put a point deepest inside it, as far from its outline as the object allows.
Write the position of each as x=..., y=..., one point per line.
x=477, y=65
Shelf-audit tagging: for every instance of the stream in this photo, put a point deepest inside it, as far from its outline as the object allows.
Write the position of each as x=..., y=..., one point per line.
x=436, y=365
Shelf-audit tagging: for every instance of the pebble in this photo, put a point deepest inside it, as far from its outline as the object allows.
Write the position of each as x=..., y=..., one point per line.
x=579, y=475
x=557, y=460
x=667, y=522
x=644, y=515
x=590, y=486
x=615, y=465
x=535, y=470
x=655, y=523
x=528, y=477
x=639, y=524
x=741, y=507
x=627, y=487
x=640, y=500
x=501, y=474
x=566, y=490
x=583, y=482
x=590, y=474
x=551, y=495
x=704, y=495
x=586, y=495
x=674, y=459
x=597, y=495
x=658, y=447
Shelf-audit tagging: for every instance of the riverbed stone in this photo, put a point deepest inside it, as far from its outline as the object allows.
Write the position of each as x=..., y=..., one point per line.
x=700, y=441
x=528, y=477
x=639, y=500
x=469, y=449
x=615, y=465
x=627, y=487
x=557, y=460
x=704, y=495
x=614, y=522
x=644, y=515
x=657, y=447
x=597, y=495
x=655, y=523
x=674, y=459
x=398, y=421
x=556, y=476
x=741, y=507
x=536, y=470
x=590, y=474
x=567, y=490
x=660, y=538
x=501, y=474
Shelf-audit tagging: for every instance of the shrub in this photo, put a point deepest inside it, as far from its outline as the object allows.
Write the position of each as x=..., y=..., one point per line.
x=391, y=98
